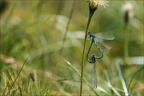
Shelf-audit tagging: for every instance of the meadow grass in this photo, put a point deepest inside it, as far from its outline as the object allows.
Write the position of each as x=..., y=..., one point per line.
x=33, y=33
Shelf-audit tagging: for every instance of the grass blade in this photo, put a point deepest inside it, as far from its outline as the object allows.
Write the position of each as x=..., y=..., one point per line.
x=99, y=88
x=122, y=79
x=133, y=78
x=110, y=85
x=17, y=76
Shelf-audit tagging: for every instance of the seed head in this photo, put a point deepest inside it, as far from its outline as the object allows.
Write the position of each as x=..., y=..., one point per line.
x=127, y=8
x=95, y=3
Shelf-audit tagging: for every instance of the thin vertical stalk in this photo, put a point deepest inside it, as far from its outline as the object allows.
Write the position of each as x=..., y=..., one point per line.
x=64, y=38
x=126, y=53
x=127, y=15
x=84, y=47
x=67, y=27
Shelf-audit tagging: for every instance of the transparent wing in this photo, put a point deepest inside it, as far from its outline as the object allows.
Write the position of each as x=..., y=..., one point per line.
x=104, y=36
x=104, y=44
x=93, y=77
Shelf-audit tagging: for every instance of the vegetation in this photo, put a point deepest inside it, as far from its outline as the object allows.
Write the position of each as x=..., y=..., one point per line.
x=42, y=42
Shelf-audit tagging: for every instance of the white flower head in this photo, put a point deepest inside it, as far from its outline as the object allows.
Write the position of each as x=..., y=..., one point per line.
x=103, y=3
x=128, y=7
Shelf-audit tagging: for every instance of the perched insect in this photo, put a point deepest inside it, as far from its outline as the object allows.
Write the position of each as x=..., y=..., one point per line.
x=93, y=75
x=100, y=37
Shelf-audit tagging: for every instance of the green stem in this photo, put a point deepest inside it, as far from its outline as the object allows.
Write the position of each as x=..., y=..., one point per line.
x=84, y=47
x=126, y=53
x=67, y=27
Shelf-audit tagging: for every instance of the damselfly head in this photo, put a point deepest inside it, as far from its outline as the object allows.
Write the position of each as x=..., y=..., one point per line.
x=89, y=33
x=90, y=36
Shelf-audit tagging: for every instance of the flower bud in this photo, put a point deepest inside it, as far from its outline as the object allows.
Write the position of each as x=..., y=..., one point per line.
x=93, y=4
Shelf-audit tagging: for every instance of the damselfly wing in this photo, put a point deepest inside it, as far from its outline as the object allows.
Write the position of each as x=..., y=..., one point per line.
x=101, y=37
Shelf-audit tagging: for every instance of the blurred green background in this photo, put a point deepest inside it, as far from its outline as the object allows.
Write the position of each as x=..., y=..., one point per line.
x=34, y=29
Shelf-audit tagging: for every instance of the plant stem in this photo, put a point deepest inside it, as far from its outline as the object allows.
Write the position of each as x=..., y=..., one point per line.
x=16, y=77
x=126, y=53
x=84, y=47
x=67, y=27
x=80, y=75
x=64, y=38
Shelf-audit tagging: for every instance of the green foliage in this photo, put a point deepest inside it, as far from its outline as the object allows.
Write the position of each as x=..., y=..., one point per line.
x=35, y=30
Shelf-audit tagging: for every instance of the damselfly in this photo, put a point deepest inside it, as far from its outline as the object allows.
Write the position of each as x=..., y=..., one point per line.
x=100, y=37
x=93, y=76
x=94, y=39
